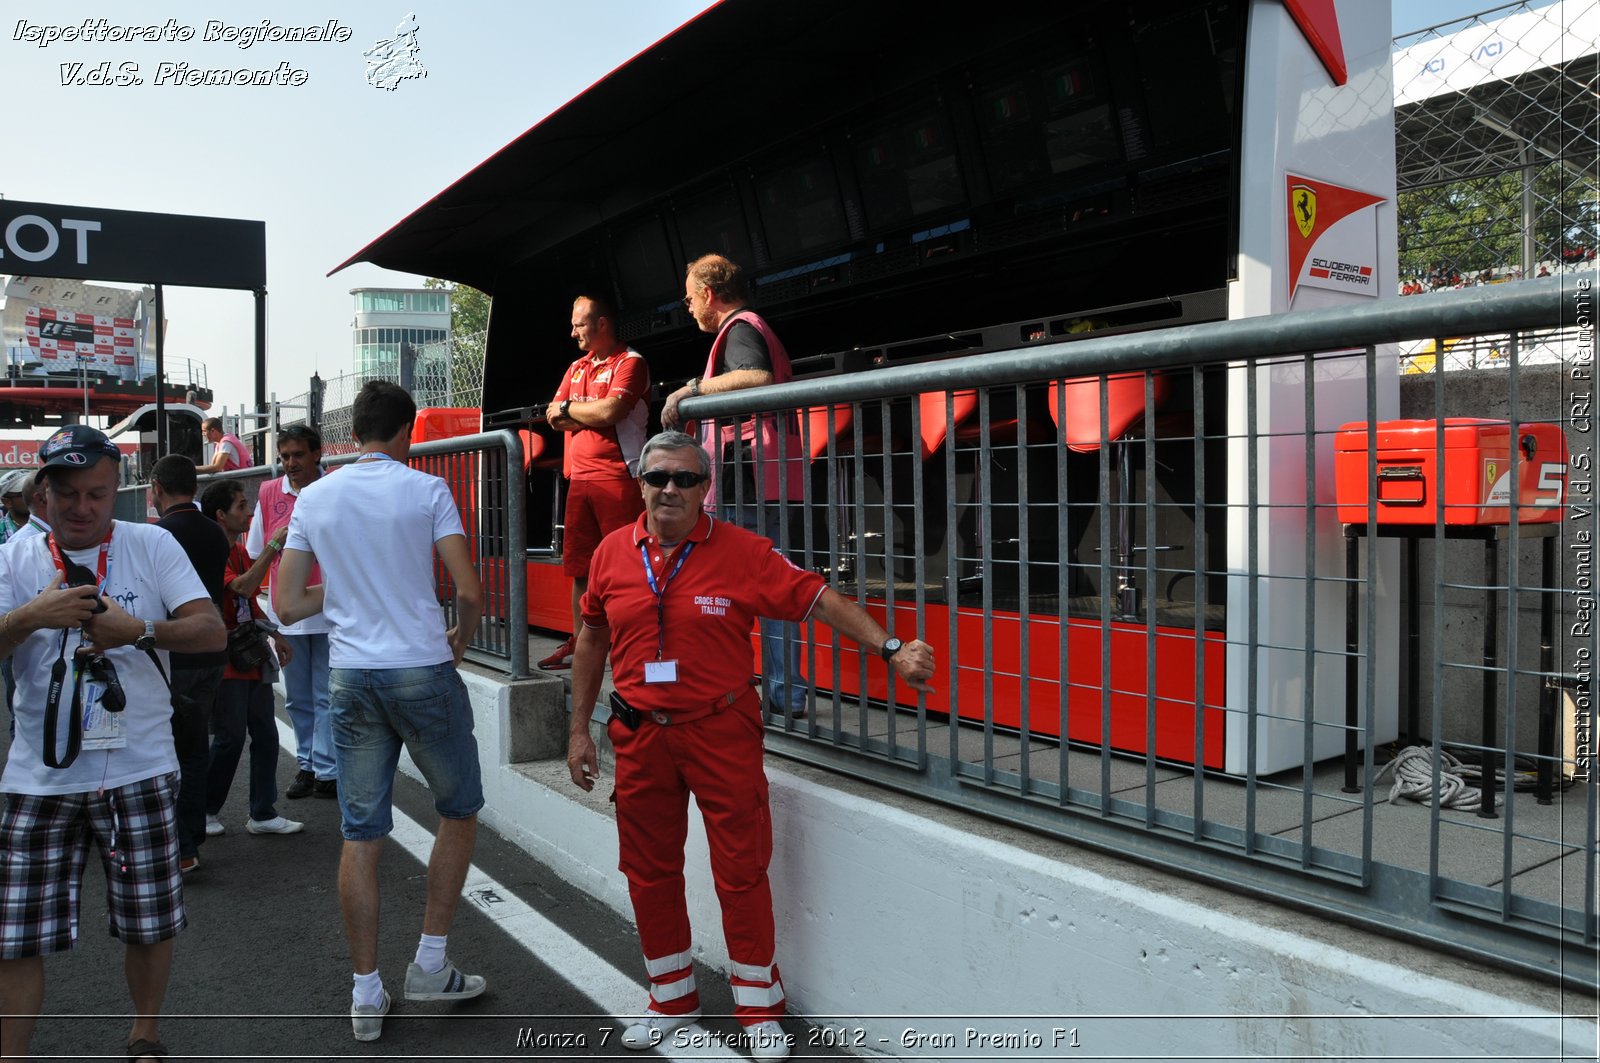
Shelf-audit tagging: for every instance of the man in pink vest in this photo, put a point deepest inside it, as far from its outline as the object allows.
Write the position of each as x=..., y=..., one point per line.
x=599, y=404
x=305, y=677
x=228, y=451
x=746, y=353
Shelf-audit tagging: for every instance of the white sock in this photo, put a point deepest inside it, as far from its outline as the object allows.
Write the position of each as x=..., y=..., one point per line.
x=368, y=990
x=430, y=952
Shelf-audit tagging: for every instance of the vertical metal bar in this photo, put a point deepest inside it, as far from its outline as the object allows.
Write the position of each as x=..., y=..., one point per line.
x=1063, y=593
x=1106, y=593
x=1201, y=597
x=838, y=527
x=859, y=511
x=808, y=561
x=1150, y=637
x=1252, y=602
x=1436, y=654
x=1370, y=687
x=891, y=704
x=1513, y=652
x=919, y=538
x=1308, y=710
x=952, y=579
x=1024, y=596
x=986, y=552
x=1547, y=670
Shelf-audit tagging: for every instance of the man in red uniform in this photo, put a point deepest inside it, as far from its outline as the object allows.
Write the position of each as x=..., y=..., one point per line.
x=671, y=599
x=600, y=404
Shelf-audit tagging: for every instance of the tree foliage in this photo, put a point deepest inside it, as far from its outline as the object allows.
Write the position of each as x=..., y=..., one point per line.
x=1475, y=225
x=469, y=308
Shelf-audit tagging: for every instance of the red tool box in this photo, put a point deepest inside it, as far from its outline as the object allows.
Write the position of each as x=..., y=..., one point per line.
x=1475, y=480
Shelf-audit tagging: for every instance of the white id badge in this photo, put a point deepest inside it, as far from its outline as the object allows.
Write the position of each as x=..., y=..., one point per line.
x=661, y=671
x=101, y=729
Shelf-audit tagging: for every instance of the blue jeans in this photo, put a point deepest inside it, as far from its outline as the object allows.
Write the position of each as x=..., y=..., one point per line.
x=244, y=706
x=780, y=639
x=305, y=697
x=375, y=712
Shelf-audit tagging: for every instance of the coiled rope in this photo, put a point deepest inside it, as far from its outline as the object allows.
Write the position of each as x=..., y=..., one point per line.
x=1413, y=780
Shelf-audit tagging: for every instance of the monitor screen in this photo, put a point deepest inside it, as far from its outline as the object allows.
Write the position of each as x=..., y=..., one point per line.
x=645, y=273
x=908, y=169
x=714, y=223
x=801, y=211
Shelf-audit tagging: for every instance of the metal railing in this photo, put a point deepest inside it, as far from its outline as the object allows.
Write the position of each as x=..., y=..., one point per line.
x=1174, y=600
x=485, y=477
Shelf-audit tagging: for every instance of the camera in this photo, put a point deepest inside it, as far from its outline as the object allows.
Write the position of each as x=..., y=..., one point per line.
x=102, y=671
x=79, y=576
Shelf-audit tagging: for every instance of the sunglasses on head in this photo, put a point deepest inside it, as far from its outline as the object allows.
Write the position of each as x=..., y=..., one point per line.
x=683, y=479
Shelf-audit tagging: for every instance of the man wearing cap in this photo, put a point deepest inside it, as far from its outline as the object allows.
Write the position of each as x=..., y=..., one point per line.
x=671, y=599
x=87, y=613
x=38, y=506
x=15, y=488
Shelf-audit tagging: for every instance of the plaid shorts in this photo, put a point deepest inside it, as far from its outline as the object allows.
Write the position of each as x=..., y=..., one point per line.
x=44, y=843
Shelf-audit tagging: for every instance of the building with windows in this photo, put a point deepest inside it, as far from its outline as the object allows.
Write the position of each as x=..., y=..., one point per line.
x=391, y=320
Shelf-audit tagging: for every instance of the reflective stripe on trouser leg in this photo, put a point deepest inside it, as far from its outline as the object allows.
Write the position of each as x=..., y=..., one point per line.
x=757, y=993
x=720, y=760
x=671, y=979
x=652, y=824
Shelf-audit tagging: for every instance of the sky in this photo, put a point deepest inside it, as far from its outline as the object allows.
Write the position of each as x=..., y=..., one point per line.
x=328, y=164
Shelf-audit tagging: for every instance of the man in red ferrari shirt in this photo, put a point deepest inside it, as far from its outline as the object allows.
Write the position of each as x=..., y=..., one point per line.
x=600, y=404
x=672, y=599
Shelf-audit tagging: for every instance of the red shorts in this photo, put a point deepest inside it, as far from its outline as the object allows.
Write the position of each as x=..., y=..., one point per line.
x=595, y=509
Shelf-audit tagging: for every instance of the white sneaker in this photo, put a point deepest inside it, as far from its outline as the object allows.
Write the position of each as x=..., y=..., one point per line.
x=275, y=825
x=214, y=827
x=653, y=1027
x=768, y=1041
x=367, y=1019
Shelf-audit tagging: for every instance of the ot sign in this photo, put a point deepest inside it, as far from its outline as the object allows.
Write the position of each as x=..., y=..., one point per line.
x=87, y=243
x=34, y=238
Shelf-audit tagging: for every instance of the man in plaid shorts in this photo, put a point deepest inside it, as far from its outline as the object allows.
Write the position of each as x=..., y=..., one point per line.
x=86, y=613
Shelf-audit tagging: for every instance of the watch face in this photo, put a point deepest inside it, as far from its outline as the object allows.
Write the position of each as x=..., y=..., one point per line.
x=890, y=648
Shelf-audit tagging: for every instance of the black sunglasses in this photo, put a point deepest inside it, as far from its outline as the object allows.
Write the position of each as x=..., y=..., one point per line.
x=683, y=479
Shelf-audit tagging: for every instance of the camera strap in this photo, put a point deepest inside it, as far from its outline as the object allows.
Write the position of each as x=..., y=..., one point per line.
x=52, y=711
x=102, y=563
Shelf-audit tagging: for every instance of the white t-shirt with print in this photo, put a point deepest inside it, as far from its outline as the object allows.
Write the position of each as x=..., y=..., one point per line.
x=149, y=575
x=372, y=529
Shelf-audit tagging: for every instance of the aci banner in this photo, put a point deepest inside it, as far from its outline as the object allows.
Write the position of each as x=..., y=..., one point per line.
x=1333, y=237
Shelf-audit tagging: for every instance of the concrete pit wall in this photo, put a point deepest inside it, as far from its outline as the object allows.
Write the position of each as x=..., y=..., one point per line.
x=901, y=923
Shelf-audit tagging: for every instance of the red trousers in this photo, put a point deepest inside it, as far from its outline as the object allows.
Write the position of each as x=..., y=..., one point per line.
x=718, y=759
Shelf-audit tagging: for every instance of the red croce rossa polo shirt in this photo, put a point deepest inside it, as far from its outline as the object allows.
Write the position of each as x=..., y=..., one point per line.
x=730, y=577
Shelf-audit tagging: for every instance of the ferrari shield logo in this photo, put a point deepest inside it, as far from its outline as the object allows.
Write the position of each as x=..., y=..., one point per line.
x=1304, y=209
x=1489, y=469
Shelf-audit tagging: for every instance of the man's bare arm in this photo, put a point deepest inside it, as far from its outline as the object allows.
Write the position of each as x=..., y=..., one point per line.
x=292, y=600
x=469, y=591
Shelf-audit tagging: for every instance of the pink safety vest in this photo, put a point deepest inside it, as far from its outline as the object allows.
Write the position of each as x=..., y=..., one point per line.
x=239, y=449
x=277, y=506
x=776, y=482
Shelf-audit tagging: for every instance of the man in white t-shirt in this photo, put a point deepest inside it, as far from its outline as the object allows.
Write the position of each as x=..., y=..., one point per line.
x=85, y=613
x=373, y=529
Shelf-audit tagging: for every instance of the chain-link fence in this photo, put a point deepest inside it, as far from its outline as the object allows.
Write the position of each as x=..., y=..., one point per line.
x=1496, y=138
x=440, y=374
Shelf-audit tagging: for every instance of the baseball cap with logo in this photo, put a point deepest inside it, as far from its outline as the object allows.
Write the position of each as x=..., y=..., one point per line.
x=16, y=482
x=77, y=445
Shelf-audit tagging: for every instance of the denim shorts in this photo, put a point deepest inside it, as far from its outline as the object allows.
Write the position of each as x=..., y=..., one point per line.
x=375, y=712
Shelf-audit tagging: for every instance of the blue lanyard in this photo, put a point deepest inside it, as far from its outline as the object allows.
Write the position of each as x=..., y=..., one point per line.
x=661, y=591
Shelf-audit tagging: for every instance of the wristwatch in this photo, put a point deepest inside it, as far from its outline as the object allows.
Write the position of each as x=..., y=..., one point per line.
x=890, y=648
x=694, y=385
x=566, y=404
x=147, y=641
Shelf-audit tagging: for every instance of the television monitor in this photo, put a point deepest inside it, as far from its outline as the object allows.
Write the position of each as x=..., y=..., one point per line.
x=801, y=210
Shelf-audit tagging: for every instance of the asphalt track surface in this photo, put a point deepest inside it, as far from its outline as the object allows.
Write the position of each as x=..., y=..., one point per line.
x=263, y=971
